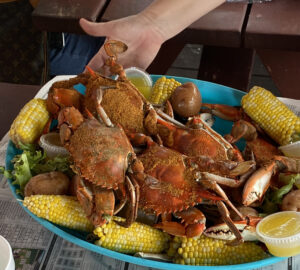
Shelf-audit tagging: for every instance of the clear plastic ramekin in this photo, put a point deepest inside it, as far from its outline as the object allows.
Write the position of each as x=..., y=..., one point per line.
x=50, y=142
x=291, y=150
x=280, y=246
x=141, y=79
x=6, y=256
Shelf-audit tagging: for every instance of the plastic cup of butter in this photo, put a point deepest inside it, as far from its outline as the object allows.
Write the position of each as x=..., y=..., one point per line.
x=6, y=256
x=291, y=150
x=141, y=80
x=281, y=233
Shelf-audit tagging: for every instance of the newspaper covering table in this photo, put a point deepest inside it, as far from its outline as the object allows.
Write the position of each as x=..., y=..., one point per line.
x=35, y=247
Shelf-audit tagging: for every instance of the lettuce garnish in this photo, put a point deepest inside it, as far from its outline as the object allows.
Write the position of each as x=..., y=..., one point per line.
x=30, y=163
x=274, y=196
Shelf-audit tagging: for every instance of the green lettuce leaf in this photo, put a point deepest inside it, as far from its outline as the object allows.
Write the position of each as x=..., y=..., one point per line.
x=31, y=163
x=274, y=196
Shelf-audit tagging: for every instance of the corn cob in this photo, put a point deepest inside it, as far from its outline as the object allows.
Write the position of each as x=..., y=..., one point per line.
x=209, y=251
x=272, y=115
x=163, y=89
x=29, y=123
x=138, y=237
x=60, y=209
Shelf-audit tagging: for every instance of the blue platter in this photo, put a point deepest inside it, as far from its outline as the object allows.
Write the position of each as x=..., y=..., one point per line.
x=211, y=93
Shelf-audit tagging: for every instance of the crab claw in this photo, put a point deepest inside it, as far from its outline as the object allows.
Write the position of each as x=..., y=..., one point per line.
x=259, y=182
x=114, y=47
x=193, y=223
x=222, y=231
x=98, y=203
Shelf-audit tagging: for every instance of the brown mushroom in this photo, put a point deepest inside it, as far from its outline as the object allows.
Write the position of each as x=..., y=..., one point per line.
x=186, y=100
x=291, y=201
x=52, y=183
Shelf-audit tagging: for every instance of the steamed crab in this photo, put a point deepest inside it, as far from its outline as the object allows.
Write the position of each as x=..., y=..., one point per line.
x=267, y=155
x=122, y=101
x=102, y=155
x=176, y=187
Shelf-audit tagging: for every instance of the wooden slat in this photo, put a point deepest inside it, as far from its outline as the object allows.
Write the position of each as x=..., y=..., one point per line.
x=220, y=27
x=274, y=25
x=63, y=16
x=13, y=98
x=284, y=69
x=122, y=8
x=227, y=66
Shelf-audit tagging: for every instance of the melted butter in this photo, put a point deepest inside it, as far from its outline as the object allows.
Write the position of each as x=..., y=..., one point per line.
x=281, y=225
x=141, y=84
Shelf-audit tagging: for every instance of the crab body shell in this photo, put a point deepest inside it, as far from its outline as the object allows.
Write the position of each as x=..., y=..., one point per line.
x=100, y=153
x=173, y=187
x=123, y=104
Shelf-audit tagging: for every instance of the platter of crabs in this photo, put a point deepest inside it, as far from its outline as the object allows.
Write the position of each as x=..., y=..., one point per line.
x=211, y=93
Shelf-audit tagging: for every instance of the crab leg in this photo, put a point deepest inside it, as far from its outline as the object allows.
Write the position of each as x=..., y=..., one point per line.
x=100, y=109
x=224, y=111
x=112, y=49
x=215, y=187
x=246, y=228
x=132, y=210
x=121, y=193
x=226, y=217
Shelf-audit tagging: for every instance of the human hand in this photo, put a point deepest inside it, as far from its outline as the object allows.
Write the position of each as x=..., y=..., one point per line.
x=141, y=36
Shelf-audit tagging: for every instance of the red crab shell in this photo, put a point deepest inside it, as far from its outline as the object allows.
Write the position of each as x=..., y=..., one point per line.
x=100, y=153
x=173, y=187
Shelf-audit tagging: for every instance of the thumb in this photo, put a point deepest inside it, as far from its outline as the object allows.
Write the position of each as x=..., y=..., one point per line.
x=94, y=29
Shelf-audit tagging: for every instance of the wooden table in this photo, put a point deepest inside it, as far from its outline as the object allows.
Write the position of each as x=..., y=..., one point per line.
x=231, y=34
x=13, y=98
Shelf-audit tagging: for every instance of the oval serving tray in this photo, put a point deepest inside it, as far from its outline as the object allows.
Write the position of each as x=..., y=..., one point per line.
x=211, y=93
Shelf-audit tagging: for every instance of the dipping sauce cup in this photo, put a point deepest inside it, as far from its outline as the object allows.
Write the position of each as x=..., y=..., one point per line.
x=291, y=150
x=281, y=233
x=6, y=256
x=141, y=80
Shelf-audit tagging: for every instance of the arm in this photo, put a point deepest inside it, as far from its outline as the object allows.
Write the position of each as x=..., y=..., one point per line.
x=146, y=31
x=170, y=17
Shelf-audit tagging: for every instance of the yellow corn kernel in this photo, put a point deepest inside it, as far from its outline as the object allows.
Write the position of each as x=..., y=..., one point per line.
x=138, y=237
x=274, y=117
x=60, y=209
x=208, y=251
x=30, y=122
x=163, y=89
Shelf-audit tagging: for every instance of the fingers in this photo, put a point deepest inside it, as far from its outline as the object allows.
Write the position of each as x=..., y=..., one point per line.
x=97, y=62
x=94, y=29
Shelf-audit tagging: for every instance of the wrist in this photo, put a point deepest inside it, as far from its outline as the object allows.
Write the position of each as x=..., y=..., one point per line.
x=152, y=26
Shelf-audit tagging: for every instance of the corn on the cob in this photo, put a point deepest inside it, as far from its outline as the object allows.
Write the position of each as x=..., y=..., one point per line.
x=209, y=251
x=59, y=209
x=29, y=123
x=272, y=115
x=163, y=89
x=138, y=237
